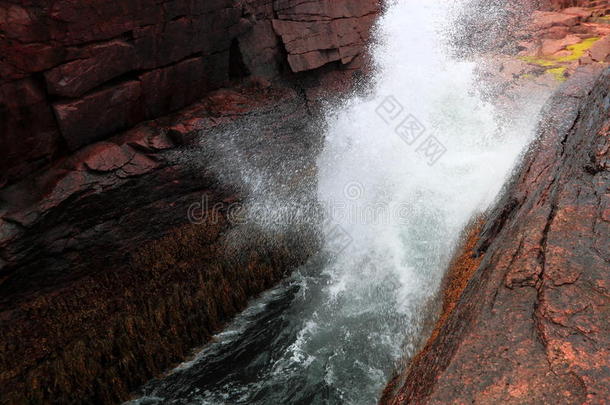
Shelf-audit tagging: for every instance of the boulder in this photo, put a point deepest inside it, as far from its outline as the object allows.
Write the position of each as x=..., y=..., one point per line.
x=552, y=46
x=600, y=51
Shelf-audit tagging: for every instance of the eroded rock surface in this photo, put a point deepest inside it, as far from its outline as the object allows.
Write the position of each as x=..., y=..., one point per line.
x=122, y=242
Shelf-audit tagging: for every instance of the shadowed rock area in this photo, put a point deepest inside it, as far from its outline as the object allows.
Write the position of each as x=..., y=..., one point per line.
x=121, y=258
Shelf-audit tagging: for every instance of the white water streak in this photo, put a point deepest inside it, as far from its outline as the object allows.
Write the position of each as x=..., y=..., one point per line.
x=438, y=200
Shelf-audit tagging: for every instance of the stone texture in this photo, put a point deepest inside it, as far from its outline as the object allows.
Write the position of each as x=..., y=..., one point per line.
x=29, y=135
x=544, y=19
x=531, y=324
x=81, y=122
x=550, y=46
x=559, y=41
x=76, y=53
x=105, y=62
x=315, y=33
x=600, y=51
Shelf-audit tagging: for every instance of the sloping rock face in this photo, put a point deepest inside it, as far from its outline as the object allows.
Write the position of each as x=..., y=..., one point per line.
x=72, y=73
x=119, y=259
x=531, y=325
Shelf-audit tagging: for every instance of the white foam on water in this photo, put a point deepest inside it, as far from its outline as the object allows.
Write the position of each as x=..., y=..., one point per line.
x=395, y=262
x=397, y=198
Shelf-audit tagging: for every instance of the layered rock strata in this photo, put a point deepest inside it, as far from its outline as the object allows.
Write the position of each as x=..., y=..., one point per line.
x=73, y=73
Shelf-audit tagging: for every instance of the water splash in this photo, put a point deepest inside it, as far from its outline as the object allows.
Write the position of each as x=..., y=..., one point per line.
x=403, y=170
x=426, y=146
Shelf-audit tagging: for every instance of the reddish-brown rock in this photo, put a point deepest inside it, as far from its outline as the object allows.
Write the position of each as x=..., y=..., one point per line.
x=105, y=62
x=318, y=32
x=543, y=20
x=175, y=86
x=81, y=52
x=600, y=51
x=81, y=122
x=29, y=136
x=531, y=325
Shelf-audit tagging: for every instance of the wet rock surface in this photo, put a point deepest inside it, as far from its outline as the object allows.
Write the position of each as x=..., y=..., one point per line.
x=530, y=325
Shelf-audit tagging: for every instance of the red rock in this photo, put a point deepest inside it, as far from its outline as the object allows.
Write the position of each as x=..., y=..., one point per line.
x=107, y=61
x=544, y=19
x=81, y=122
x=180, y=48
x=325, y=10
x=106, y=157
x=552, y=46
x=18, y=23
x=600, y=50
x=74, y=272
x=582, y=12
x=260, y=50
x=173, y=87
x=145, y=138
x=564, y=4
x=97, y=20
x=28, y=135
x=313, y=44
x=35, y=57
x=173, y=43
x=556, y=32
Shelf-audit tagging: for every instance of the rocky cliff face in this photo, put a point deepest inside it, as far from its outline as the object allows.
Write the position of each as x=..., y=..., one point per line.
x=529, y=326
x=123, y=244
x=72, y=73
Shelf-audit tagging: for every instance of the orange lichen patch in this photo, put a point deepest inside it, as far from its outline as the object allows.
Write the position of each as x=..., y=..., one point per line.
x=462, y=268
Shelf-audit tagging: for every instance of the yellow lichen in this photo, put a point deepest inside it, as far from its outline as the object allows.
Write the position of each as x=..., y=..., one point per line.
x=578, y=50
x=555, y=63
x=538, y=61
x=558, y=73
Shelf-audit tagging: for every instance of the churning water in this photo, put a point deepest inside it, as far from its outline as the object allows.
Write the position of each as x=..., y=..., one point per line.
x=403, y=170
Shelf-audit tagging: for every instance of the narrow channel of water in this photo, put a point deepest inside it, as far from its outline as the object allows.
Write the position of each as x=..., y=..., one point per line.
x=402, y=171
